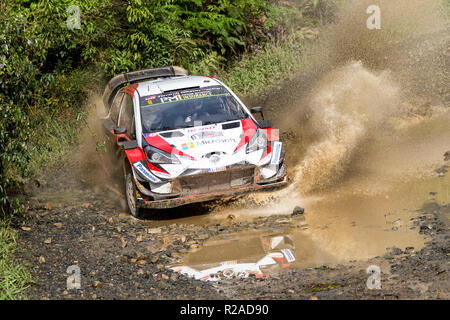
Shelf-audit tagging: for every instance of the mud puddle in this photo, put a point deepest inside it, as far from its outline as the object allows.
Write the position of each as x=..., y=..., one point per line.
x=370, y=212
x=335, y=230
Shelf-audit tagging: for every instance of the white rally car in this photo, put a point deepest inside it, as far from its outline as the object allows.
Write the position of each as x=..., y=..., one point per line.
x=182, y=139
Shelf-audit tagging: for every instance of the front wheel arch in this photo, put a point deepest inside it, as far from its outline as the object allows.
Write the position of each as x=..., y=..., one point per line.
x=130, y=191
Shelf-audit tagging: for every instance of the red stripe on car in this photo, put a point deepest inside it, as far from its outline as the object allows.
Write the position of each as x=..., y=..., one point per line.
x=272, y=134
x=249, y=129
x=131, y=89
x=155, y=168
x=135, y=154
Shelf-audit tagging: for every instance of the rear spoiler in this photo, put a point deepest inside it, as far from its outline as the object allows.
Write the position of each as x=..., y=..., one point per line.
x=115, y=83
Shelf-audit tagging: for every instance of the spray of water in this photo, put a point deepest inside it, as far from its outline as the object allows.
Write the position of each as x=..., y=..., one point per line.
x=360, y=84
x=347, y=105
x=96, y=157
x=364, y=82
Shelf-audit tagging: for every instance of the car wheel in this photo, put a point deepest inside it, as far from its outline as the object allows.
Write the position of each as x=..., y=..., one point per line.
x=130, y=194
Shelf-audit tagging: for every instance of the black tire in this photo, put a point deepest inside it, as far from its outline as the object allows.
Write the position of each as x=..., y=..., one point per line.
x=130, y=195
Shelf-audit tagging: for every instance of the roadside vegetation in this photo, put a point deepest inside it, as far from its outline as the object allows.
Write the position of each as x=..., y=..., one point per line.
x=51, y=62
x=14, y=278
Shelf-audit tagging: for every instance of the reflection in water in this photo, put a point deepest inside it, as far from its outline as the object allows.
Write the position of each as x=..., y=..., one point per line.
x=270, y=253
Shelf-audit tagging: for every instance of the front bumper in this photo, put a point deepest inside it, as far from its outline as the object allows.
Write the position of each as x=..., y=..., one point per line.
x=183, y=200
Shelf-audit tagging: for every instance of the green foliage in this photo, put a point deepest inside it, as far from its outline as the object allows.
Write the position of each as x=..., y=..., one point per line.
x=183, y=32
x=14, y=278
x=208, y=64
x=14, y=127
x=271, y=65
x=39, y=86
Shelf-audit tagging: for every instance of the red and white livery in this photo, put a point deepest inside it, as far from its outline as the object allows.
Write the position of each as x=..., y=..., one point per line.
x=185, y=139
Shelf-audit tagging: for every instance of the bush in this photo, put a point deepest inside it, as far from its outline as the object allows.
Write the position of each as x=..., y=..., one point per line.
x=185, y=32
x=38, y=56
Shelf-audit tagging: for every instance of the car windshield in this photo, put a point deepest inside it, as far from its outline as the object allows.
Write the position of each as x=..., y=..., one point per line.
x=188, y=108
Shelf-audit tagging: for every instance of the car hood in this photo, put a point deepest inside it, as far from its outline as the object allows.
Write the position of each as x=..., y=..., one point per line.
x=207, y=148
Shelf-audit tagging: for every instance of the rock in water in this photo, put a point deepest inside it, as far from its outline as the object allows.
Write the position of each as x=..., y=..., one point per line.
x=447, y=156
x=298, y=210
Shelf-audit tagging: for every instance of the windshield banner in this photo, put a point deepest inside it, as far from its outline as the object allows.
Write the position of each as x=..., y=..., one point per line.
x=184, y=94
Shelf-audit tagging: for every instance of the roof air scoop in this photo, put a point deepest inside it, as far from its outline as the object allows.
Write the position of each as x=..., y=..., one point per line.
x=133, y=76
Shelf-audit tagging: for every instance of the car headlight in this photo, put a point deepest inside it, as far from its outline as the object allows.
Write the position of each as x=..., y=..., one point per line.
x=155, y=155
x=257, y=142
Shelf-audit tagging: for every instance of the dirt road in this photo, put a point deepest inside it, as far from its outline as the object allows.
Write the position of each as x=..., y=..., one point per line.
x=122, y=258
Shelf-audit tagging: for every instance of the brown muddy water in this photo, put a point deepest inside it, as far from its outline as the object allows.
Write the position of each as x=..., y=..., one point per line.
x=362, y=217
x=361, y=182
x=367, y=168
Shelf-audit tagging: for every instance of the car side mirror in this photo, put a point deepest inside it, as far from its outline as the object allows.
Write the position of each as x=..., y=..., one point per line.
x=120, y=130
x=265, y=124
x=257, y=110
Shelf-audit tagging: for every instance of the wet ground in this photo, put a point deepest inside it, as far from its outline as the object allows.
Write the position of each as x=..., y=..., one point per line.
x=253, y=247
x=120, y=258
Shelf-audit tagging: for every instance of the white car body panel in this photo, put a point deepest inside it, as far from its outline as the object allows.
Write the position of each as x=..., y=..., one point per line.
x=199, y=147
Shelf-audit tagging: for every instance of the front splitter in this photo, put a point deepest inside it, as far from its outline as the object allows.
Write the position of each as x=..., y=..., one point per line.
x=183, y=200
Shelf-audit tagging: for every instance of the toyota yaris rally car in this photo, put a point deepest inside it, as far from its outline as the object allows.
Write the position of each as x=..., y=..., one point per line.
x=182, y=139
